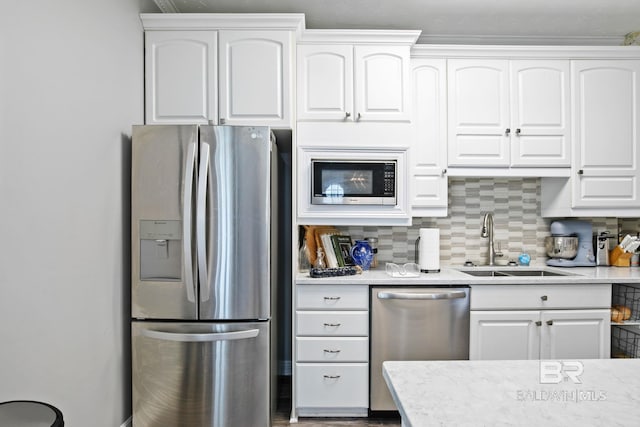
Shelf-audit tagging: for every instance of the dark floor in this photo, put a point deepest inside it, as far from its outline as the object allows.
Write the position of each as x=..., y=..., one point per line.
x=283, y=414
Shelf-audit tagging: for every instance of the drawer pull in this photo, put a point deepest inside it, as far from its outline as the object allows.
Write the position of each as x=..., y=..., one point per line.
x=549, y=322
x=332, y=325
x=332, y=377
x=331, y=351
x=544, y=298
x=538, y=323
x=332, y=298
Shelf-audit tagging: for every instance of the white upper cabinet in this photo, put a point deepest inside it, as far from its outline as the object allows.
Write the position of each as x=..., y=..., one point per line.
x=508, y=113
x=325, y=82
x=478, y=113
x=428, y=157
x=219, y=68
x=354, y=76
x=607, y=113
x=175, y=92
x=381, y=83
x=540, y=113
x=255, y=78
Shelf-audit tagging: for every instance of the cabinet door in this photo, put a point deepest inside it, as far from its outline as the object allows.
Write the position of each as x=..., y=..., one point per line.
x=607, y=112
x=325, y=82
x=575, y=334
x=381, y=83
x=540, y=113
x=180, y=77
x=255, y=78
x=428, y=153
x=332, y=385
x=478, y=112
x=504, y=335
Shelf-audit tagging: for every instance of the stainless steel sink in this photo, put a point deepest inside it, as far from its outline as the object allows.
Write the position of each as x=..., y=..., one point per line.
x=512, y=273
x=485, y=273
x=535, y=273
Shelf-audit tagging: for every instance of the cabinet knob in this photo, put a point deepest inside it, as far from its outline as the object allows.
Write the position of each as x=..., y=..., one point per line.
x=507, y=132
x=347, y=115
x=223, y=120
x=544, y=297
x=518, y=132
x=580, y=172
x=549, y=322
x=358, y=117
x=538, y=323
x=444, y=171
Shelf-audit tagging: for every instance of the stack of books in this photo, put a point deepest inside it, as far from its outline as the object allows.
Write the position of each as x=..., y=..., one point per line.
x=337, y=249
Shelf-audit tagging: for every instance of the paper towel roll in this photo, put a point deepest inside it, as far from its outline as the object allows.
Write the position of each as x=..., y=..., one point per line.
x=429, y=250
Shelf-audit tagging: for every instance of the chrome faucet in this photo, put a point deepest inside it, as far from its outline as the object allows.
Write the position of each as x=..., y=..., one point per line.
x=487, y=231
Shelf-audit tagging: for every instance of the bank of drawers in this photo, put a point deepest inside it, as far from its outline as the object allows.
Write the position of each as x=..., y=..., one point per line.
x=332, y=349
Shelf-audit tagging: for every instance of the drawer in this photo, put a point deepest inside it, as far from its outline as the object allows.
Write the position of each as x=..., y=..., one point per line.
x=321, y=349
x=496, y=297
x=332, y=323
x=332, y=297
x=332, y=385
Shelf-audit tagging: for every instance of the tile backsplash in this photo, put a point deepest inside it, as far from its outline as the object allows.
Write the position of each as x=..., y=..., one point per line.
x=518, y=227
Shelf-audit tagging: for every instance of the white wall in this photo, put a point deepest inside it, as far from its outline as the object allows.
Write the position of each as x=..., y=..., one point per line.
x=71, y=85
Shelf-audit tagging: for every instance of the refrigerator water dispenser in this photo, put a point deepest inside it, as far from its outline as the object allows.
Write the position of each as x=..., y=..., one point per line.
x=160, y=250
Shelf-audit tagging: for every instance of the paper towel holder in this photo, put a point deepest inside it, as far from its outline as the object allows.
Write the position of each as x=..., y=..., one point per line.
x=417, y=254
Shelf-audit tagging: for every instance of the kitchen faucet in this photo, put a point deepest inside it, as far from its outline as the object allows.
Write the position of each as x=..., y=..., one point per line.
x=487, y=231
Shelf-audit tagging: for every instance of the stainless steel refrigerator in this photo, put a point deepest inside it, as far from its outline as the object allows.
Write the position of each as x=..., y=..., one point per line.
x=202, y=210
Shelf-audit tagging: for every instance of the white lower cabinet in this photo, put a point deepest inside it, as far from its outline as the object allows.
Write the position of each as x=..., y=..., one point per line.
x=331, y=387
x=584, y=334
x=540, y=322
x=552, y=334
x=331, y=350
x=339, y=349
x=504, y=335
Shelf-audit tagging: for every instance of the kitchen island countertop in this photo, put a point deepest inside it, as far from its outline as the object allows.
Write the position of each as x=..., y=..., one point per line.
x=451, y=275
x=594, y=392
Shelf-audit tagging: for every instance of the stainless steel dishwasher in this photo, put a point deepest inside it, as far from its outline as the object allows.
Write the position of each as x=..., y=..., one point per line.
x=415, y=323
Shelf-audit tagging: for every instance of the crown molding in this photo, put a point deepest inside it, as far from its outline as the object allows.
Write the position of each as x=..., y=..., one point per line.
x=521, y=40
x=210, y=21
x=524, y=51
x=321, y=36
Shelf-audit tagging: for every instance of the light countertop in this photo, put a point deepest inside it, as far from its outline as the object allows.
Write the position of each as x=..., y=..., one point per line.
x=451, y=275
x=516, y=392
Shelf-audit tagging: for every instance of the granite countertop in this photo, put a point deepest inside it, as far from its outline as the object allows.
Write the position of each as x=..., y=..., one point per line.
x=515, y=392
x=451, y=275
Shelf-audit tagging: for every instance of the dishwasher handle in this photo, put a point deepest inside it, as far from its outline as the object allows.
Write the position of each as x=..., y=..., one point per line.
x=422, y=296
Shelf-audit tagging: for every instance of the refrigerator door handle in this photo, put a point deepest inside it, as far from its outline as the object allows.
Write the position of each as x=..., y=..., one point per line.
x=186, y=222
x=220, y=336
x=201, y=225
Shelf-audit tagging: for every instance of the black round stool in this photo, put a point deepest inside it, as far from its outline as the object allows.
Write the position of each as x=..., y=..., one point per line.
x=27, y=413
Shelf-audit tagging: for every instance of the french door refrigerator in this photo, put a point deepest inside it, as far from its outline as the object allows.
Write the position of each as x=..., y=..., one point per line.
x=201, y=275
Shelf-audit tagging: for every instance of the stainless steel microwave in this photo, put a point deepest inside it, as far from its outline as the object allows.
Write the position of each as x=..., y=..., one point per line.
x=353, y=182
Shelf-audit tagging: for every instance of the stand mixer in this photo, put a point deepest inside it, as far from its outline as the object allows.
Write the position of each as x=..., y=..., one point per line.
x=584, y=232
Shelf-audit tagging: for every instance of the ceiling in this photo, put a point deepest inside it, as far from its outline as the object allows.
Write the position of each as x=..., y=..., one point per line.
x=602, y=22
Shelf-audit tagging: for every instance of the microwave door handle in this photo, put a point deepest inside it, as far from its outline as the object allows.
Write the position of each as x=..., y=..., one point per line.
x=201, y=224
x=186, y=222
